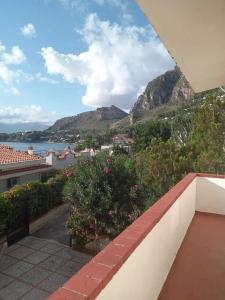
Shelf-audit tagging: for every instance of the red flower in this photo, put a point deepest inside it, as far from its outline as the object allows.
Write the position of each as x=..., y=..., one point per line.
x=69, y=174
x=106, y=170
x=109, y=161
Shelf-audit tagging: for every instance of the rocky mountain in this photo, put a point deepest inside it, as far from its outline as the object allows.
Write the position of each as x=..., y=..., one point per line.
x=169, y=88
x=98, y=120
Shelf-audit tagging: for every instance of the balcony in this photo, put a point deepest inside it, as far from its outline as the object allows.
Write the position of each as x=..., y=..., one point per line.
x=175, y=250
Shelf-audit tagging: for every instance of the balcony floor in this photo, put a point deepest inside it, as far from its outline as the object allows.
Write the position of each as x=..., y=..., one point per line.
x=198, y=272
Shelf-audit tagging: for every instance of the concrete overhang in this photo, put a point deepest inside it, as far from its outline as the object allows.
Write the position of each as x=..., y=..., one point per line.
x=193, y=31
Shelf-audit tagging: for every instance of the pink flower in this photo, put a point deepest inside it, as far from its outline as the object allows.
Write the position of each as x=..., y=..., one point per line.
x=130, y=218
x=69, y=174
x=106, y=170
x=110, y=213
x=109, y=161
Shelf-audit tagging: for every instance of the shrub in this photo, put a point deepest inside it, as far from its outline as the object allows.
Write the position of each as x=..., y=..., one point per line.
x=104, y=194
x=41, y=198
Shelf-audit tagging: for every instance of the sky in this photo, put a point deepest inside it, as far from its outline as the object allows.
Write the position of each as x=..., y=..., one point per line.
x=62, y=57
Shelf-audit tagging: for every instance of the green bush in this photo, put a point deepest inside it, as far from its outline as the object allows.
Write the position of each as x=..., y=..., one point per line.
x=41, y=198
x=105, y=196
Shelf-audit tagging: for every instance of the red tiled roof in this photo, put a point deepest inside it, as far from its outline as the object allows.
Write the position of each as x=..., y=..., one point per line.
x=9, y=155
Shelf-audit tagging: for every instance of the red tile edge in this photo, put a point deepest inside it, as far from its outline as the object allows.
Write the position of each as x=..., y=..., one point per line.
x=95, y=275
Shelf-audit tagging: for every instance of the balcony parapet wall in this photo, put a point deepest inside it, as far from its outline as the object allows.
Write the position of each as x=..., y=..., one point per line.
x=136, y=263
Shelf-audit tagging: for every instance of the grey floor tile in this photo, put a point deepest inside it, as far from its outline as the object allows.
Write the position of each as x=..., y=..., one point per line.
x=14, y=290
x=4, y=281
x=13, y=247
x=21, y=252
x=36, y=257
x=53, y=282
x=6, y=261
x=81, y=257
x=35, y=276
x=69, y=268
x=35, y=294
x=18, y=269
x=51, y=247
x=33, y=242
x=52, y=263
x=66, y=252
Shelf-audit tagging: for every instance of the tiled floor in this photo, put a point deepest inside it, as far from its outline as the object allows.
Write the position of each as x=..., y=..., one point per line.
x=198, y=272
x=33, y=268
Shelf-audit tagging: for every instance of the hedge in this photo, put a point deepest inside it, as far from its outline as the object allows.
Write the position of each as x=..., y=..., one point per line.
x=41, y=198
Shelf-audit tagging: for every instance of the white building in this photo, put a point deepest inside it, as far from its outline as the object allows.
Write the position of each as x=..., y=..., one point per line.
x=20, y=167
x=60, y=161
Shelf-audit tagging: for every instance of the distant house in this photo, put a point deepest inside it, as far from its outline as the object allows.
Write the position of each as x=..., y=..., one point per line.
x=87, y=152
x=20, y=167
x=60, y=160
x=123, y=141
x=106, y=147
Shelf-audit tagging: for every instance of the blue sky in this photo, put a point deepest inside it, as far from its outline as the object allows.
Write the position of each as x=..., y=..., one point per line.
x=63, y=57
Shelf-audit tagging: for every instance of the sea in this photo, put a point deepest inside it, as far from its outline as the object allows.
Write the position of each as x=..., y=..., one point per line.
x=39, y=148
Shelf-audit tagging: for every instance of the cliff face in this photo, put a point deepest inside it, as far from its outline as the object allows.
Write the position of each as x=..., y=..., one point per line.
x=99, y=119
x=170, y=87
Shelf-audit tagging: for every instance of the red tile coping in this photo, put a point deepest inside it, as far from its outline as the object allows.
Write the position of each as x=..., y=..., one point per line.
x=95, y=275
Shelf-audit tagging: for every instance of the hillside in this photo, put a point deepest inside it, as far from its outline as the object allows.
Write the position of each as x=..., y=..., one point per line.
x=89, y=122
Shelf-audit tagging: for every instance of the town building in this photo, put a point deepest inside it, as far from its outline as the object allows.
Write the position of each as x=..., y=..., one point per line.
x=60, y=160
x=18, y=167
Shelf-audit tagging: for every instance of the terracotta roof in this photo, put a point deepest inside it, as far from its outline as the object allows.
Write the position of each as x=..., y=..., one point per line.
x=9, y=155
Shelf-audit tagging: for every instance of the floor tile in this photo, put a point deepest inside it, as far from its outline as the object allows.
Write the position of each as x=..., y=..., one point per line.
x=35, y=276
x=52, y=263
x=51, y=247
x=6, y=261
x=53, y=282
x=35, y=294
x=18, y=269
x=21, y=252
x=14, y=290
x=36, y=257
x=33, y=242
x=69, y=268
x=4, y=281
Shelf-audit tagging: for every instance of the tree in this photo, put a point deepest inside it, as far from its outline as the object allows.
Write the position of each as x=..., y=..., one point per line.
x=144, y=133
x=208, y=135
x=161, y=165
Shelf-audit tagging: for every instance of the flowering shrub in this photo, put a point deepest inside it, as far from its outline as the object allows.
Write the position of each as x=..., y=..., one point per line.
x=104, y=195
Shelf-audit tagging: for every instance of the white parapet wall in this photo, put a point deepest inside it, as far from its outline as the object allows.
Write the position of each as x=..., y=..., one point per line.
x=142, y=276
x=210, y=196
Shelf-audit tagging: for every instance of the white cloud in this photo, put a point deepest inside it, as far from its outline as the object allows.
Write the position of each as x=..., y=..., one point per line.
x=12, y=90
x=28, y=30
x=42, y=78
x=14, y=57
x=119, y=60
x=25, y=114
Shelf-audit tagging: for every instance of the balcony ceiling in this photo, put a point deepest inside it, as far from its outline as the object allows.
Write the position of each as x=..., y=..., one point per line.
x=194, y=33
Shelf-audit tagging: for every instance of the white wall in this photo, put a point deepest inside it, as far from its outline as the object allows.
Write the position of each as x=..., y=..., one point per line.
x=142, y=276
x=23, y=178
x=3, y=185
x=60, y=164
x=35, y=177
x=210, y=195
